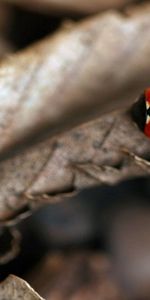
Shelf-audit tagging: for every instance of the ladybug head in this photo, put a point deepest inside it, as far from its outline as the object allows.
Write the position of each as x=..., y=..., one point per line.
x=147, y=121
x=138, y=111
x=141, y=112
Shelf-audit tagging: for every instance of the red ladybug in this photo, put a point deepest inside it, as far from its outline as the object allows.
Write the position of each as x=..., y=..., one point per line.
x=147, y=117
x=141, y=112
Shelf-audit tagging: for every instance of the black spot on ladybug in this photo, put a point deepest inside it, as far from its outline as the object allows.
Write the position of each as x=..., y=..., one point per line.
x=139, y=112
x=148, y=111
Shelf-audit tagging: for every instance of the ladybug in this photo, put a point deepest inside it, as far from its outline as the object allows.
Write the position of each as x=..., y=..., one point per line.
x=147, y=116
x=141, y=112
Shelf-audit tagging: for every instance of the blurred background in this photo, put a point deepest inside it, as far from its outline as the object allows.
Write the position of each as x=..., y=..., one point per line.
x=96, y=242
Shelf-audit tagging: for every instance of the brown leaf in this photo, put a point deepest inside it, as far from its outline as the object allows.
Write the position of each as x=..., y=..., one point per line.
x=104, y=151
x=15, y=288
x=81, y=7
x=97, y=66
x=94, y=154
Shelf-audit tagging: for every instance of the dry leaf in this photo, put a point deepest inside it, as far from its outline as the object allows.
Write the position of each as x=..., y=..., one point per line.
x=14, y=288
x=104, y=151
x=80, y=73
x=87, y=57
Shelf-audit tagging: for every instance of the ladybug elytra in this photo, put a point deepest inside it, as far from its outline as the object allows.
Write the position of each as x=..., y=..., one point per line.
x=141, y=112
x=147, y=117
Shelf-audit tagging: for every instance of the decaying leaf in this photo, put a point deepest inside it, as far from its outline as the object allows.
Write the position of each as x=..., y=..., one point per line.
x=106, y=150
x=57, y=6
x=94, y=67
x=15, y=288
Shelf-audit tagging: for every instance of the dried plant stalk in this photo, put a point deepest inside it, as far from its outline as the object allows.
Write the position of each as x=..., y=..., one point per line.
x=98, y=65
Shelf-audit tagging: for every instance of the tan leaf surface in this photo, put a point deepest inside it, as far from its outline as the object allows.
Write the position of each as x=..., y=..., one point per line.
x=104, y=151
x=83, y=72
x=14, y=288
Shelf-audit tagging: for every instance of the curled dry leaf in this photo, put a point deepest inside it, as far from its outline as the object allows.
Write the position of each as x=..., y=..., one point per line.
x=80, y=73
x=103, y=151
x=15, y=288
x=77, y=6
